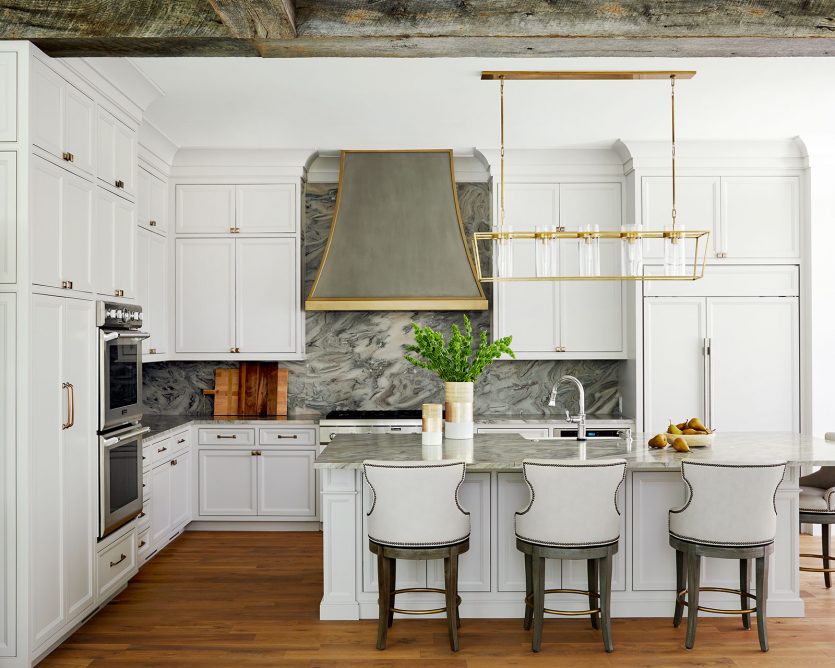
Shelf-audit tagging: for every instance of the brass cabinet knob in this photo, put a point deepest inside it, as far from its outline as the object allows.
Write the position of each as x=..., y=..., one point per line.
x=120, y=183
x=152, y=351
x=152, y=223
x=69, y=157
x=67, y=285
x=173, y=462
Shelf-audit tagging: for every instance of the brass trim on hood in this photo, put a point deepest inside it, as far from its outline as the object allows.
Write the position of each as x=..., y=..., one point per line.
x=477, y=301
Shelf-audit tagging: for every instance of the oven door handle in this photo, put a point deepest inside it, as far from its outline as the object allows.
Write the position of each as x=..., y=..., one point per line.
x=112, y=336
x=108, y=442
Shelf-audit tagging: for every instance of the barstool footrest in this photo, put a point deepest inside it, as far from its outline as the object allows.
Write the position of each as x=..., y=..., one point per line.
x=422, y=590
x=721, y=611
x=811, y=569
x=567, y=613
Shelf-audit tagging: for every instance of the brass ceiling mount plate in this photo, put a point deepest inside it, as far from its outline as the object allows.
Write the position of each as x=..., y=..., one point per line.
x=622, y=75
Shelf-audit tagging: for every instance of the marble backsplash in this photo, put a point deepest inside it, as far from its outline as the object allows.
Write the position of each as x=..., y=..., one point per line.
x=355, y=359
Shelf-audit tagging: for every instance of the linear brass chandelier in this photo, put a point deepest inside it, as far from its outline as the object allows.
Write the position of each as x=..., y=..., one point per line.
x=685, y=251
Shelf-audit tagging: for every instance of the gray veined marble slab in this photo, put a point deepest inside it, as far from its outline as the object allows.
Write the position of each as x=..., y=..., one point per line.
x=505, y=452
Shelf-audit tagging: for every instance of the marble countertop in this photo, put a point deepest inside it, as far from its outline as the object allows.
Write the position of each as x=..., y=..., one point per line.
x=162, y=425
x=505, y=452
x=552, y=419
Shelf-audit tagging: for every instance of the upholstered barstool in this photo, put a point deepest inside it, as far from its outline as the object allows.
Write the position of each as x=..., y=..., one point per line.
x=415, y=514
x=730, y=513
x=573, y=514
x=817, y=506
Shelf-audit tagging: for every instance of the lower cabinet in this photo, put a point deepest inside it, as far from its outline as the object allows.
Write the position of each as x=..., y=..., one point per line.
x=286, y=482
x=228, y=482
x=116, y=564
x=8, y=489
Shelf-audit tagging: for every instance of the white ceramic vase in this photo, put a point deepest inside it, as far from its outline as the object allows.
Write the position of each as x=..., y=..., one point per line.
x=458, y=410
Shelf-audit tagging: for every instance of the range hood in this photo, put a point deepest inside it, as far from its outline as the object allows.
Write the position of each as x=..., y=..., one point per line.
x=396, y=241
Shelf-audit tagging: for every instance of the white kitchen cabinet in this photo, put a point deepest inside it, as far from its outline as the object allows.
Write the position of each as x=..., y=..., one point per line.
x=8, y=215
x=555, y=319
x=265, y=295
x=205, y=295
x=114, y=245
x=161, y=495
x=286, y=482
x=265, y=208
x=63, y=456
x=8, y=488
x=228, y=482
x=151, y=285
x=204, y=209
x=180, y=467
x=62, y=118
x=761, y=217
x=712, y=357
x=116, y=153
x=8, y=96
x=61, y=214
x=697, y=208
x=152, y=202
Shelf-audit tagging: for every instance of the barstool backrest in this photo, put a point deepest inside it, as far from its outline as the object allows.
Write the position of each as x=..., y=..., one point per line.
x=729, y=503
x=415, y=504
x=573, y=503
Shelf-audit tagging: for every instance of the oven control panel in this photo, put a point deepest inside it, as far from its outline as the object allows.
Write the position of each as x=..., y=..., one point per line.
x=111, y=315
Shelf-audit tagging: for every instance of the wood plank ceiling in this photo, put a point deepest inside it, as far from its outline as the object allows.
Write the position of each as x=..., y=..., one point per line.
x=422, y=28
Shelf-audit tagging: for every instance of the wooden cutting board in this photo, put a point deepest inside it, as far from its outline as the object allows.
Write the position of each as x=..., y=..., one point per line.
x=255, y=389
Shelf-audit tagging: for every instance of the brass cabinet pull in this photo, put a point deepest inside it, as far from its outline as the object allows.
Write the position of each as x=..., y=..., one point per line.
x=142, y=544
x=162, y=449
x=173, y=462
x=120, y=183
x=560, y=349
x=66, y=285
x=235, y=230
x=256, y=453
x=68, y=423
x=226, y=436
x=181, y=440
x=234, y=350
x=152, y=223
x=116, y=563
x=141, y=515
x=286, y=436
x=69, y=157
x=152, y=351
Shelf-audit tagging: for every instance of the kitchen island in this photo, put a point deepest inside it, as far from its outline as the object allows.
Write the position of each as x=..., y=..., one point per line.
x=491, y=574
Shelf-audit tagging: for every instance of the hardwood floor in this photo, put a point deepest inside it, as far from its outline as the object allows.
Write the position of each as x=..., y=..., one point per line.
x=251, y=599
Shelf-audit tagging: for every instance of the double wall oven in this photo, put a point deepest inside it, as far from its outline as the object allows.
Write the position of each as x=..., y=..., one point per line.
x=120, y=414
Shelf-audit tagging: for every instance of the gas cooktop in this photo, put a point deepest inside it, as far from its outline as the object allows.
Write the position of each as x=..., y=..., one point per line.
x=394, y=414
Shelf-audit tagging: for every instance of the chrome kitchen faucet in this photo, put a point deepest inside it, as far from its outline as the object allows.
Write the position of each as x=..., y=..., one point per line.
x=580, y=418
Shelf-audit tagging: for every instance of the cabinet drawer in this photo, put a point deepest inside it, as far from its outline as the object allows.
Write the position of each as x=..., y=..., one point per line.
x=181, y=440
x=161, y=451
x=226, y=437
x=116, y=564
x=292, y=437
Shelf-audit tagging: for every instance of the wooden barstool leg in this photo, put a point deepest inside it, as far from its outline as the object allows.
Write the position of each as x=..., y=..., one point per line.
x=825, y=552
x=594, y=588
x=694, y=562
x=538, y=573
x=681, y=583
x=455, y=597
x=392, y=588
x=528, y=592
x=743, y=587
x=383, y=569
x=606, y=601
x=451, y=575
x=762, y=597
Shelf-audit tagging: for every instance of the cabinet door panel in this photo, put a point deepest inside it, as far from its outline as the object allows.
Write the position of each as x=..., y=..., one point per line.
x=697, y=208
x=47, y=108
x=106, y=154
x=124, y=250
x=473, y=565
x=180, y=490
x=104, y=243
x=228, y=482
x=205, y=292
x=45, y=211
x=754, y=363
x=158, y=205
x=46, y=460
x=155, y=307
x=8, y=214
x=674, y=363
x=205, y=209
x=266, y=208
x=287, y=483
x=124, y=158
x=761, y=216
x=143, y=278
x=265, y=295
x=143, y=199
x=8, y=490
x=79, y=122
x=8, y=97
x=591, y=313
x=77, y=232
x=514, y=495
x=161, y=504
x=80, y=455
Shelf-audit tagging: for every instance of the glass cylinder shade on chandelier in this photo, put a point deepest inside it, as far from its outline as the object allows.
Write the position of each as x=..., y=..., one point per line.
x=503, y=252
x=632, y=252
x=674, y=251
x=545, y=251
x=589, y=251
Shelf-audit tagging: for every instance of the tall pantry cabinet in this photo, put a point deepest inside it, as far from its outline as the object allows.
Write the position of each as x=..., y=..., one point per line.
x=58, y=255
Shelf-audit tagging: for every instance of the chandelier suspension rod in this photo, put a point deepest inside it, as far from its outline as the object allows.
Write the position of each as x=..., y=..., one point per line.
x=501, y=150
x=673, y=134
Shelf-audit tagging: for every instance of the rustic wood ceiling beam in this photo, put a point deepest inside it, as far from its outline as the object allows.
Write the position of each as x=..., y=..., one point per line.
x=262, y=19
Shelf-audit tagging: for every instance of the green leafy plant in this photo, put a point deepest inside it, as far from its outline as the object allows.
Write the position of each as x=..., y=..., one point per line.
x=456, y=361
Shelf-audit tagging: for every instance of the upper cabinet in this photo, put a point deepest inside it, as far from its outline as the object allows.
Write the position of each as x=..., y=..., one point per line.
x=62, y=118
x=152, y=202
x=8, y=96
x=151, y=286
x=114, y=243
x=752, y=218
x=117, y=153
x=562, y=319
x=260, y=209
